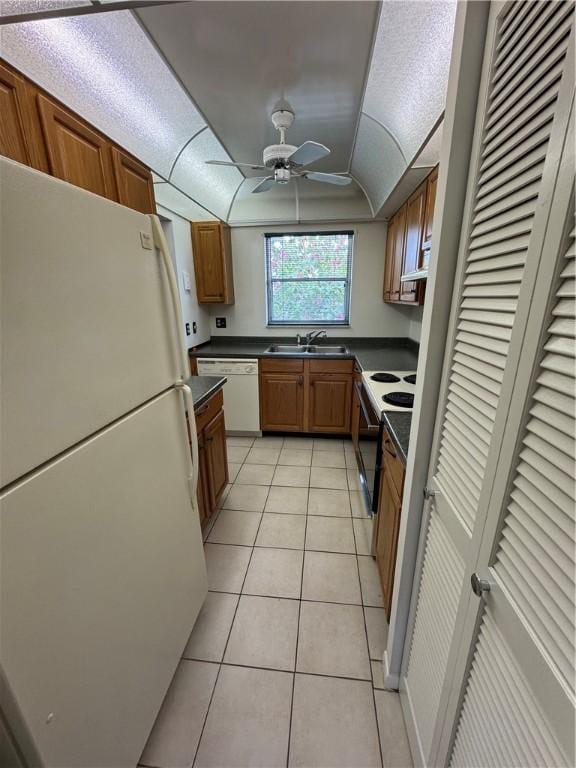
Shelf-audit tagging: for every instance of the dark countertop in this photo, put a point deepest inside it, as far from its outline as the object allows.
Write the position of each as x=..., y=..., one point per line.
x=371, y=354
x=398, y=425
x=203, y=387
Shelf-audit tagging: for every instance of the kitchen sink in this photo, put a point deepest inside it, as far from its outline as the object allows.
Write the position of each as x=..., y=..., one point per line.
x=324, y=349
x=303, y=349
x=288, y=349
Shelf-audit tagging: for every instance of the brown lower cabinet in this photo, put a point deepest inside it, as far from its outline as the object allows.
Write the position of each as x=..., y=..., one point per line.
x=387, y=521
x=212, y=456
x=305, y=395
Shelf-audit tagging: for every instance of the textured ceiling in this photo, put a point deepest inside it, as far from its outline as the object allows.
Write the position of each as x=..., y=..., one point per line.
x=405, y=92
x=236, y=60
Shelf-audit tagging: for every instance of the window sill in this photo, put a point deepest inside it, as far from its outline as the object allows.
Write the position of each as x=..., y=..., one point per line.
x=277, y=326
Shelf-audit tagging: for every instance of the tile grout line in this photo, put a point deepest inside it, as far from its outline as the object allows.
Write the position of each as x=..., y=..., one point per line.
x=368, y=649
x=221, y=664
x=297, y=633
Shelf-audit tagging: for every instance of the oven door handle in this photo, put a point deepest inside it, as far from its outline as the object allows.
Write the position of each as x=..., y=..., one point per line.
x=369, y=422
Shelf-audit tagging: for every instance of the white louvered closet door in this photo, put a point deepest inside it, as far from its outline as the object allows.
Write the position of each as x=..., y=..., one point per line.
x=522, y=121
x=519, y=701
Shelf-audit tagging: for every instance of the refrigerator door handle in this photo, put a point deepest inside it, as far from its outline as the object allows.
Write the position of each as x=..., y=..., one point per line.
x=193, y=476
x=162, y=246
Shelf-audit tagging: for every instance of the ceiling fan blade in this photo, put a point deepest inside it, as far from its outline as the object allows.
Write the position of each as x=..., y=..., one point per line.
x=308, y=153
x=264, y=185
x=328, y=178
x=235, y=165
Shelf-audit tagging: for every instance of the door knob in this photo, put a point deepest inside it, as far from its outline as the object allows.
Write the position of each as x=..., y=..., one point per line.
x=479, y=586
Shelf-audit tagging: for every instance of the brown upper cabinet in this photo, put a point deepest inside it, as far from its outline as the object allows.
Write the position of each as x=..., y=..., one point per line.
x=409, y=291
x=13, y=140
x=429, y=218
x=408, y=244
x=76, y=153
x=36, y=130
x=133, y=182
x=213, y=262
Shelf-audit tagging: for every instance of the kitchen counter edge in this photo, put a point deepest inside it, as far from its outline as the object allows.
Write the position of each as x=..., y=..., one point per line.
x=399, y=354
x=203, y=387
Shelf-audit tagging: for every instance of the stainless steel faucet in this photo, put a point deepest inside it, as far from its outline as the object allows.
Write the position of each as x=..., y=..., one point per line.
x=315, y=335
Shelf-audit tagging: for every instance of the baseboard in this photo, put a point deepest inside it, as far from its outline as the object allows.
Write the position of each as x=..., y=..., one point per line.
x=391, y=682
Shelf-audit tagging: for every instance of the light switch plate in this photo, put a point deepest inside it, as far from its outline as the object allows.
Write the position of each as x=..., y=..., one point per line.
x=186, y=281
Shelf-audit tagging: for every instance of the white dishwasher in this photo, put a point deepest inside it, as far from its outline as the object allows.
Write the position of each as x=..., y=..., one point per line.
x=241, y=403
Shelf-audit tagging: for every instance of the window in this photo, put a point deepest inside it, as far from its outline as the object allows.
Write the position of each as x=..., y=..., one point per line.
x=308, y=278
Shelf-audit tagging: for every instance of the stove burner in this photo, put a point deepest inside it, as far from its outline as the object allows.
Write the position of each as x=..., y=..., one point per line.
x=385, y=378
x=402, y=399
x=411, y=379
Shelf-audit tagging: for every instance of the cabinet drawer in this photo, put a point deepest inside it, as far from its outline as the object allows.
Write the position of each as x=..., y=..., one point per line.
x=331, y=366
x=281, y=366
x=393, y=463
x=209, y=410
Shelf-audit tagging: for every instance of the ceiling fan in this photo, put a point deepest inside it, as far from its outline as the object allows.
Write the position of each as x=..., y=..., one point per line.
x=287, y=161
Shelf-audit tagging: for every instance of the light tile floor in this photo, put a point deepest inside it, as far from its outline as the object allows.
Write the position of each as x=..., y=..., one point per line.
x=283, y=667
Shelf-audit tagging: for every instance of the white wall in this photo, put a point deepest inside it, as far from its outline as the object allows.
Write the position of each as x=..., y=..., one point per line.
x=369, y=315
x=415, y=328
x=179, y=239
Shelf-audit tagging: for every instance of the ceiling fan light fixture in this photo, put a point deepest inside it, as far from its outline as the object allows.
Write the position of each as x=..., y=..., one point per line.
x=282, y=175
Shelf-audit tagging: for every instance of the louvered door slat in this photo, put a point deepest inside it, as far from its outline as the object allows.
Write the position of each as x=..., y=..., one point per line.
x=514, y=703
x=530, y=22
x=513, y=148
x=519, y=130
x=528, y=507
x=511, y=200
x=489, y=331
x=544, y=75
x=547, y=463
x=443, y=570
x=550, y=38
x=498, y=255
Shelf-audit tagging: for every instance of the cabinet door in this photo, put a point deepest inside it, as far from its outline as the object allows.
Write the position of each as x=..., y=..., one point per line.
x=133, y=182
x=13, y=141
x=387, y=537
x=203, y=492
x=216, y=457
x=428, y=217
x=212, y=262
x=330, y=402
x=389, y=258
x=398, y=253
x=414, y=224
x=76, y=153
x=282, y=402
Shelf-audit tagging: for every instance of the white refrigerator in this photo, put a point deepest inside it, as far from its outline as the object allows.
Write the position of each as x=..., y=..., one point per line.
x=102, y=571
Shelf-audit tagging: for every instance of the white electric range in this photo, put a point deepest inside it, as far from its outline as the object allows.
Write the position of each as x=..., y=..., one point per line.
x=390, y=390
x=380, y=392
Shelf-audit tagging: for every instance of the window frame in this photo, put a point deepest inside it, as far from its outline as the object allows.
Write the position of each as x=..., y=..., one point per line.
x=345, y=323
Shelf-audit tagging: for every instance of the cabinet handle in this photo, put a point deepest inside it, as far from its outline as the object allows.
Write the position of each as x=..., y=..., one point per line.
x=300, y=380
x=202, y=410
x=209, y=439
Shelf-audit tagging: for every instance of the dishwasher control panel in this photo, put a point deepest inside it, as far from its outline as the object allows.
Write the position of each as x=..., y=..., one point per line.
x=226, y=367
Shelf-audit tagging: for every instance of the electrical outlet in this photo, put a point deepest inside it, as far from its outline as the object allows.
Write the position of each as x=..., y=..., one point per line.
x=194, y=326
x=220, y=322
x=187, y=329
